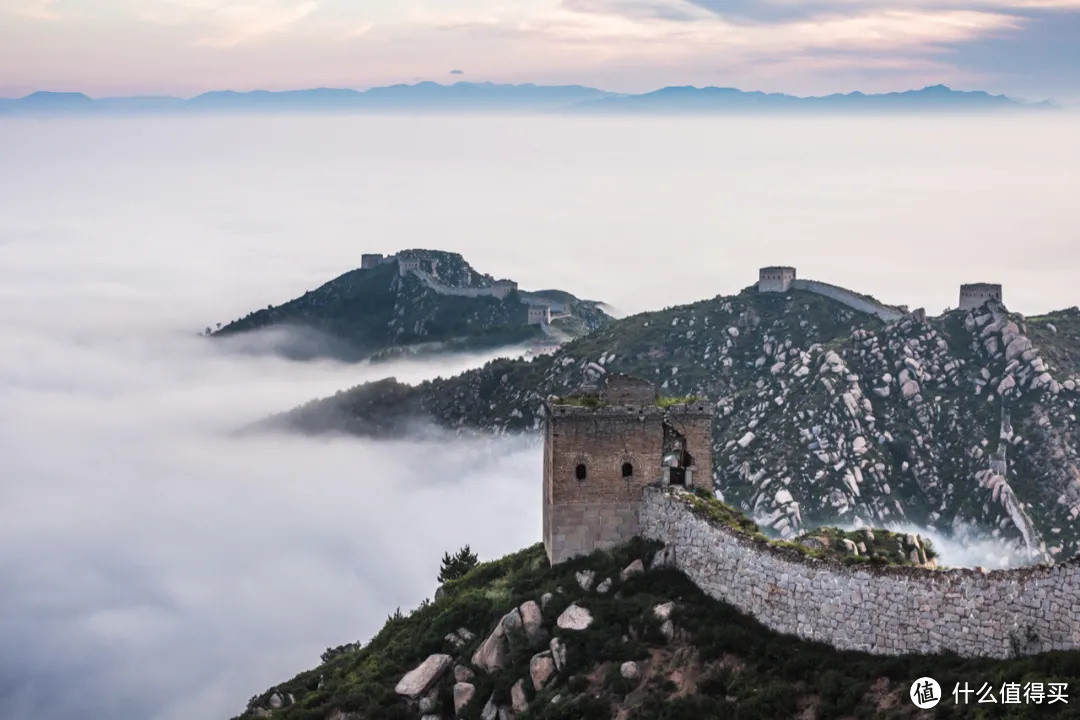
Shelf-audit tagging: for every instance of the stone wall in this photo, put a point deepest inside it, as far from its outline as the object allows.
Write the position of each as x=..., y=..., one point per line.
x=847, y=297
x=883, y=610
x=601, y=509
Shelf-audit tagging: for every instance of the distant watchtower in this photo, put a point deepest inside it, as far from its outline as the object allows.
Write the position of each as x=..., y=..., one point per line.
x=775, y=279
x=502, y=288
x=600, y=452
x=370, y=260
x=538, y=315
x=406, y=266
x=975, y=295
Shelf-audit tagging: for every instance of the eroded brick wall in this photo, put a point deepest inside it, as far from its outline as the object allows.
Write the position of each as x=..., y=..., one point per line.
x=601, y=510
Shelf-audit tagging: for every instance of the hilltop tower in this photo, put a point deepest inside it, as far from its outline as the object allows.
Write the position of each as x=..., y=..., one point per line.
x=975, y=295
x=502, y=288
x=370, y=260
x=601, y=451
x=775, y=279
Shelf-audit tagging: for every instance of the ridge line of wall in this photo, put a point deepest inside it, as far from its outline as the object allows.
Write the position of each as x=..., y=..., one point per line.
x=886, y=611
x=848, y=297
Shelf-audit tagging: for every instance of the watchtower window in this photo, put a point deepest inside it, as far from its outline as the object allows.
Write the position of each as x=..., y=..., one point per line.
x=627, y=471
x=579, y=472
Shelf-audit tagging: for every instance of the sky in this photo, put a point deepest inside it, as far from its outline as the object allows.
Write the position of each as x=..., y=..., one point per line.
x=1025, y=48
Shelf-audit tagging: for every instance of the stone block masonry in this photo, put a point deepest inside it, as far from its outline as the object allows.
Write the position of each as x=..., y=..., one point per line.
x=881, y=610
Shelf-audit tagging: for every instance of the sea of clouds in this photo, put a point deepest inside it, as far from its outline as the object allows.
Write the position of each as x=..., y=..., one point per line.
x=155, y=566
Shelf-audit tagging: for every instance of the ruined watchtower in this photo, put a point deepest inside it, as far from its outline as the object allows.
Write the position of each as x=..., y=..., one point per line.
x=502, y=288
x=975, y=295
x=775, y=279
x=370, y=260
x=600, y=451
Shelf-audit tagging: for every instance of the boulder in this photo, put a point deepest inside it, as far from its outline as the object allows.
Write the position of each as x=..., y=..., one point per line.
x=909, y=389
x=558, y=653
x=630, y=670
x=545, y=600
x=428, y=704
x=532, y=624
x=541, y=668
x=635, y=568
x=663, y=610
x=276, y=702
x=463, y=693
x=667, y=629
x=664, y=557
x=491, y=710
x=604, y=586
x=518, y=701
x=512, y=625
x=421, y=678
x=463, y=674
x=585, y=579
x=574, y=617
x=491, y=655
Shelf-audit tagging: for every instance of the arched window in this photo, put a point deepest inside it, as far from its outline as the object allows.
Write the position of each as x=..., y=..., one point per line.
x=627, y=471
x=580, y=471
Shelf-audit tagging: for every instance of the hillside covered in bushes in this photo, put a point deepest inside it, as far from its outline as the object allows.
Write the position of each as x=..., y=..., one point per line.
x=613, y=635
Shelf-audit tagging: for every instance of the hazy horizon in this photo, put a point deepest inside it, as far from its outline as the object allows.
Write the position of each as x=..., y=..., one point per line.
x=157, y=566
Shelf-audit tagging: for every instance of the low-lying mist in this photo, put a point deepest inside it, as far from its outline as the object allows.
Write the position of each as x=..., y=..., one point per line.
x=156, y=566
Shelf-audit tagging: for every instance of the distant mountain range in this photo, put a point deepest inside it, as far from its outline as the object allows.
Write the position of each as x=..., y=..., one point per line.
x=464, y=97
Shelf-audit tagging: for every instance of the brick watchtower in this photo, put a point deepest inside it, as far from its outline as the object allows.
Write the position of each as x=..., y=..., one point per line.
x=601, y=451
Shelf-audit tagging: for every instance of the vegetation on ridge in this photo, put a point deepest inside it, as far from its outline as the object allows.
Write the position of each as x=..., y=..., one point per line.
x=719, y=664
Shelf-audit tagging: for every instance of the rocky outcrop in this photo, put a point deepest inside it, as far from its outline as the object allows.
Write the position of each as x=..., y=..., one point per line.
x=574, y=617
x=420, y=679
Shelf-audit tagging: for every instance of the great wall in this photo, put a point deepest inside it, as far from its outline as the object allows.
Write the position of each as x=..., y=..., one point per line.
x=881, y=610
x=540, y=311
x=618, y=464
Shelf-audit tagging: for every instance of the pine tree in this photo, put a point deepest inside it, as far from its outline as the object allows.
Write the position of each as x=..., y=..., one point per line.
x=456, y=565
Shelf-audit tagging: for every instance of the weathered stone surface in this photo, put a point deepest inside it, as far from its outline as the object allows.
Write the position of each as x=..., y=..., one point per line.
x=532, y=624
x=518, y=701
x=635, y=568
x=463, y=674
x=558, y=653
x=663, y=610
x=545, y=600
x=490, y=711
x=463, y=693
x=585, y=579
x=419, y=680
x=491, y=655
x=604, y=587
x=541, y=668
x=276, y=701
x=667, y=629
x=574, y=617
x=630, y=670
x=890, y=611
x=428, y=704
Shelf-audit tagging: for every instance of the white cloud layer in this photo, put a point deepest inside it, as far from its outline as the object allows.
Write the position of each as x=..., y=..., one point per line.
x=154, y=567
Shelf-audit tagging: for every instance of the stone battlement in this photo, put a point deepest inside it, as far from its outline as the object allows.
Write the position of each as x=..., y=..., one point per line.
x=881, y=610
x=601, y=451
x=975, y=295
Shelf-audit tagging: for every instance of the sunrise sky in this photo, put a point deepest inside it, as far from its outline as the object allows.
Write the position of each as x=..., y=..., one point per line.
x=1026, y=48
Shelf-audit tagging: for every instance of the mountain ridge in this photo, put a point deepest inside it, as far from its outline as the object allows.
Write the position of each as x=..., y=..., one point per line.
x=964, y=423
x=429, y=96
x=416, y=302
